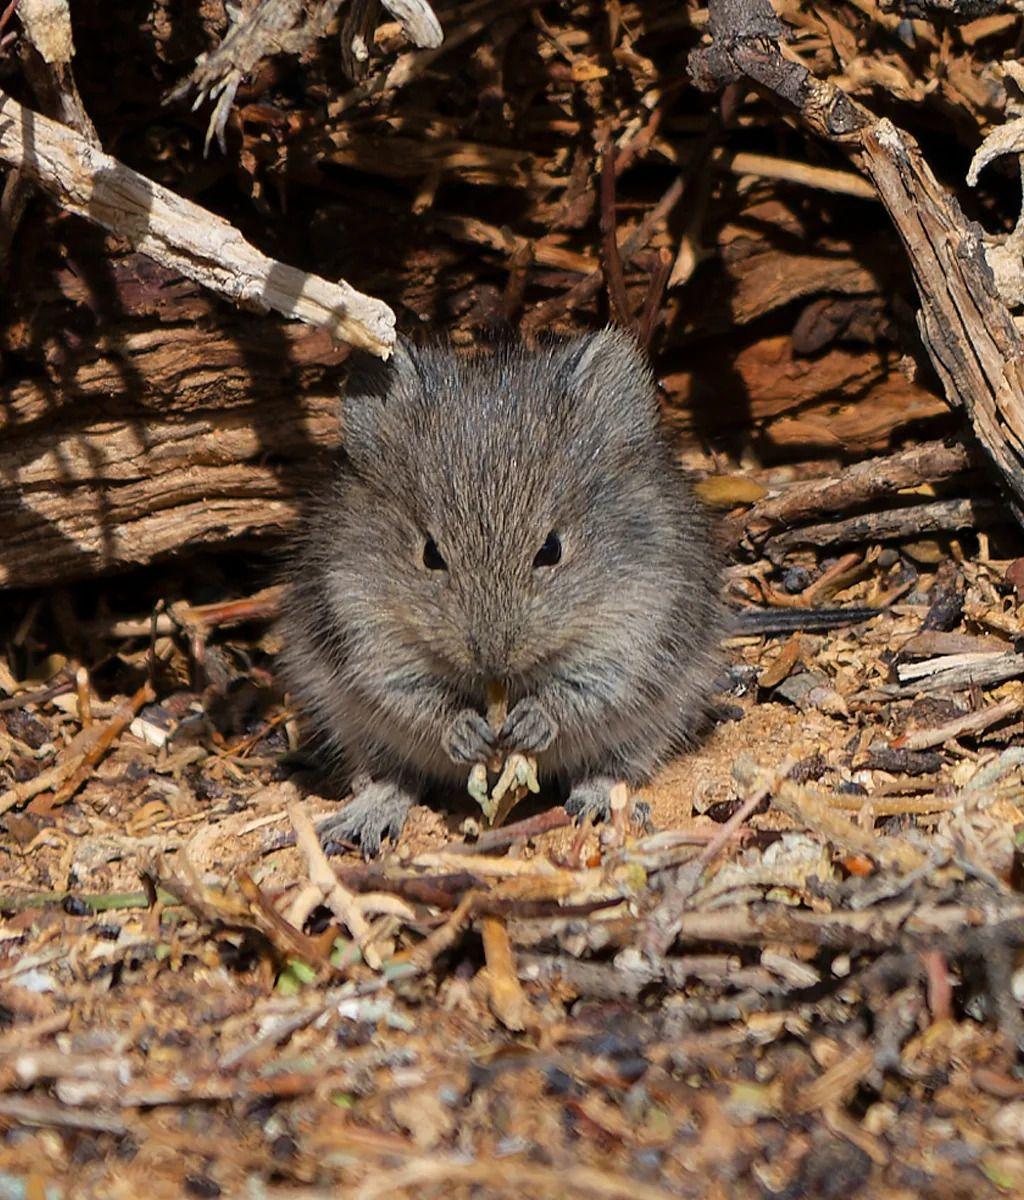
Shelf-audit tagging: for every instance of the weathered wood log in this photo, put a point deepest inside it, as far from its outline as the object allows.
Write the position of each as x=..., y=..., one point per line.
x=956, y=671
x=156, y=419
x=839, y=401
x=140, y=416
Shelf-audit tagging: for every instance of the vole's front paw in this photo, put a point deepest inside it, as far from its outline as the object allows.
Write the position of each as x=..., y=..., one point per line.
x=528, y=728
x=376, y=811
x=470, y=739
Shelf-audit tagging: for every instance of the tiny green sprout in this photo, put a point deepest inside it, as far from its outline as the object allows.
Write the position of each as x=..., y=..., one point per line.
x=294, y=977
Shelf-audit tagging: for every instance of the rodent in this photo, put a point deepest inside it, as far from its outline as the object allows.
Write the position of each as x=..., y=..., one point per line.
x=513, y=516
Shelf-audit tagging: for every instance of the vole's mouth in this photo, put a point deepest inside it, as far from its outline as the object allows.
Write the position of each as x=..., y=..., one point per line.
x=471, y=680
x=468, y=684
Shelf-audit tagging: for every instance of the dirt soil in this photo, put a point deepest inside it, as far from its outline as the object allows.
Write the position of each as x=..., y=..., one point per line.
x=803, y=983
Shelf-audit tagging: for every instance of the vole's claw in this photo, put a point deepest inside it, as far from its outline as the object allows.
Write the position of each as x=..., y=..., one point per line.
x=642, y=816
x=377, y=811
x=470, y=739
x=529, y=729
x=593, y=798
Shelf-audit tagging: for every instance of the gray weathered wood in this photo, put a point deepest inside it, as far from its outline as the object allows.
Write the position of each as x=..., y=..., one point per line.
x=180, y=234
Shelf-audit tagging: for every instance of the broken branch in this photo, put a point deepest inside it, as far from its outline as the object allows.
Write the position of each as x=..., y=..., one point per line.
x=180, y=234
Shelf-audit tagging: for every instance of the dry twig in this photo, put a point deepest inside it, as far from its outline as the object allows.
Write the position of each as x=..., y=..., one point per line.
x=343, y=903
x=181, y=234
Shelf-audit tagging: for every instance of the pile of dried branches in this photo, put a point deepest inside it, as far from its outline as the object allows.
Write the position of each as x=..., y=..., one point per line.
x=525, y=170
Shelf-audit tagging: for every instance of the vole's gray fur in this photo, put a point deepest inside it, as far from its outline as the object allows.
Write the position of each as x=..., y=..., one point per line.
x=607, y=653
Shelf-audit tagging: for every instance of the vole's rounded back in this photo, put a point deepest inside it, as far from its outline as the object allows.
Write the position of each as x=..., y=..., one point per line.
x=518, y=517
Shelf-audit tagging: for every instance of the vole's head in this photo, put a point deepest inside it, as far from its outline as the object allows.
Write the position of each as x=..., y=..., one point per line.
x=509, y=503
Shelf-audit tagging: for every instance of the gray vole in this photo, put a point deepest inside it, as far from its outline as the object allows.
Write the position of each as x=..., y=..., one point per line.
x=515, y=517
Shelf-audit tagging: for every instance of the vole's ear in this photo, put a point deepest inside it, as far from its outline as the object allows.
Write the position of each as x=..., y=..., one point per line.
x=609, y=375
x=373, y=386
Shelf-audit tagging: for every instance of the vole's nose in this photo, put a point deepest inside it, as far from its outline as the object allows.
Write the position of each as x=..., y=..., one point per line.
x=491, y=653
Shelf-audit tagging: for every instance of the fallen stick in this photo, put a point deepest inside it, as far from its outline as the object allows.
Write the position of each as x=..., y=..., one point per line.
x=611, y=259
x=898, y=807
x=824, y=178
x=343, y=903
x=37, y=695
x=972, y=722
x=506, y=997
x=930, y=462
x=530, y=827
x=546, y=250
x=909, y=672
x=182, y=235
x=880, y=928
x=67, y=775
x=263, y=605
x=942, y=516
x=417, y=1174
x=444, y=936
x=954, y=672
x=28, y=1112
x=118, y=723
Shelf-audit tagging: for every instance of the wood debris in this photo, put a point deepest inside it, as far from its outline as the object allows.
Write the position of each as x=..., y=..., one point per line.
x=820, y=912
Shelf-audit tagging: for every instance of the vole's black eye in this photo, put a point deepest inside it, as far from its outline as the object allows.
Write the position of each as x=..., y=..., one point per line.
x=550, y=553
x=432, y=559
